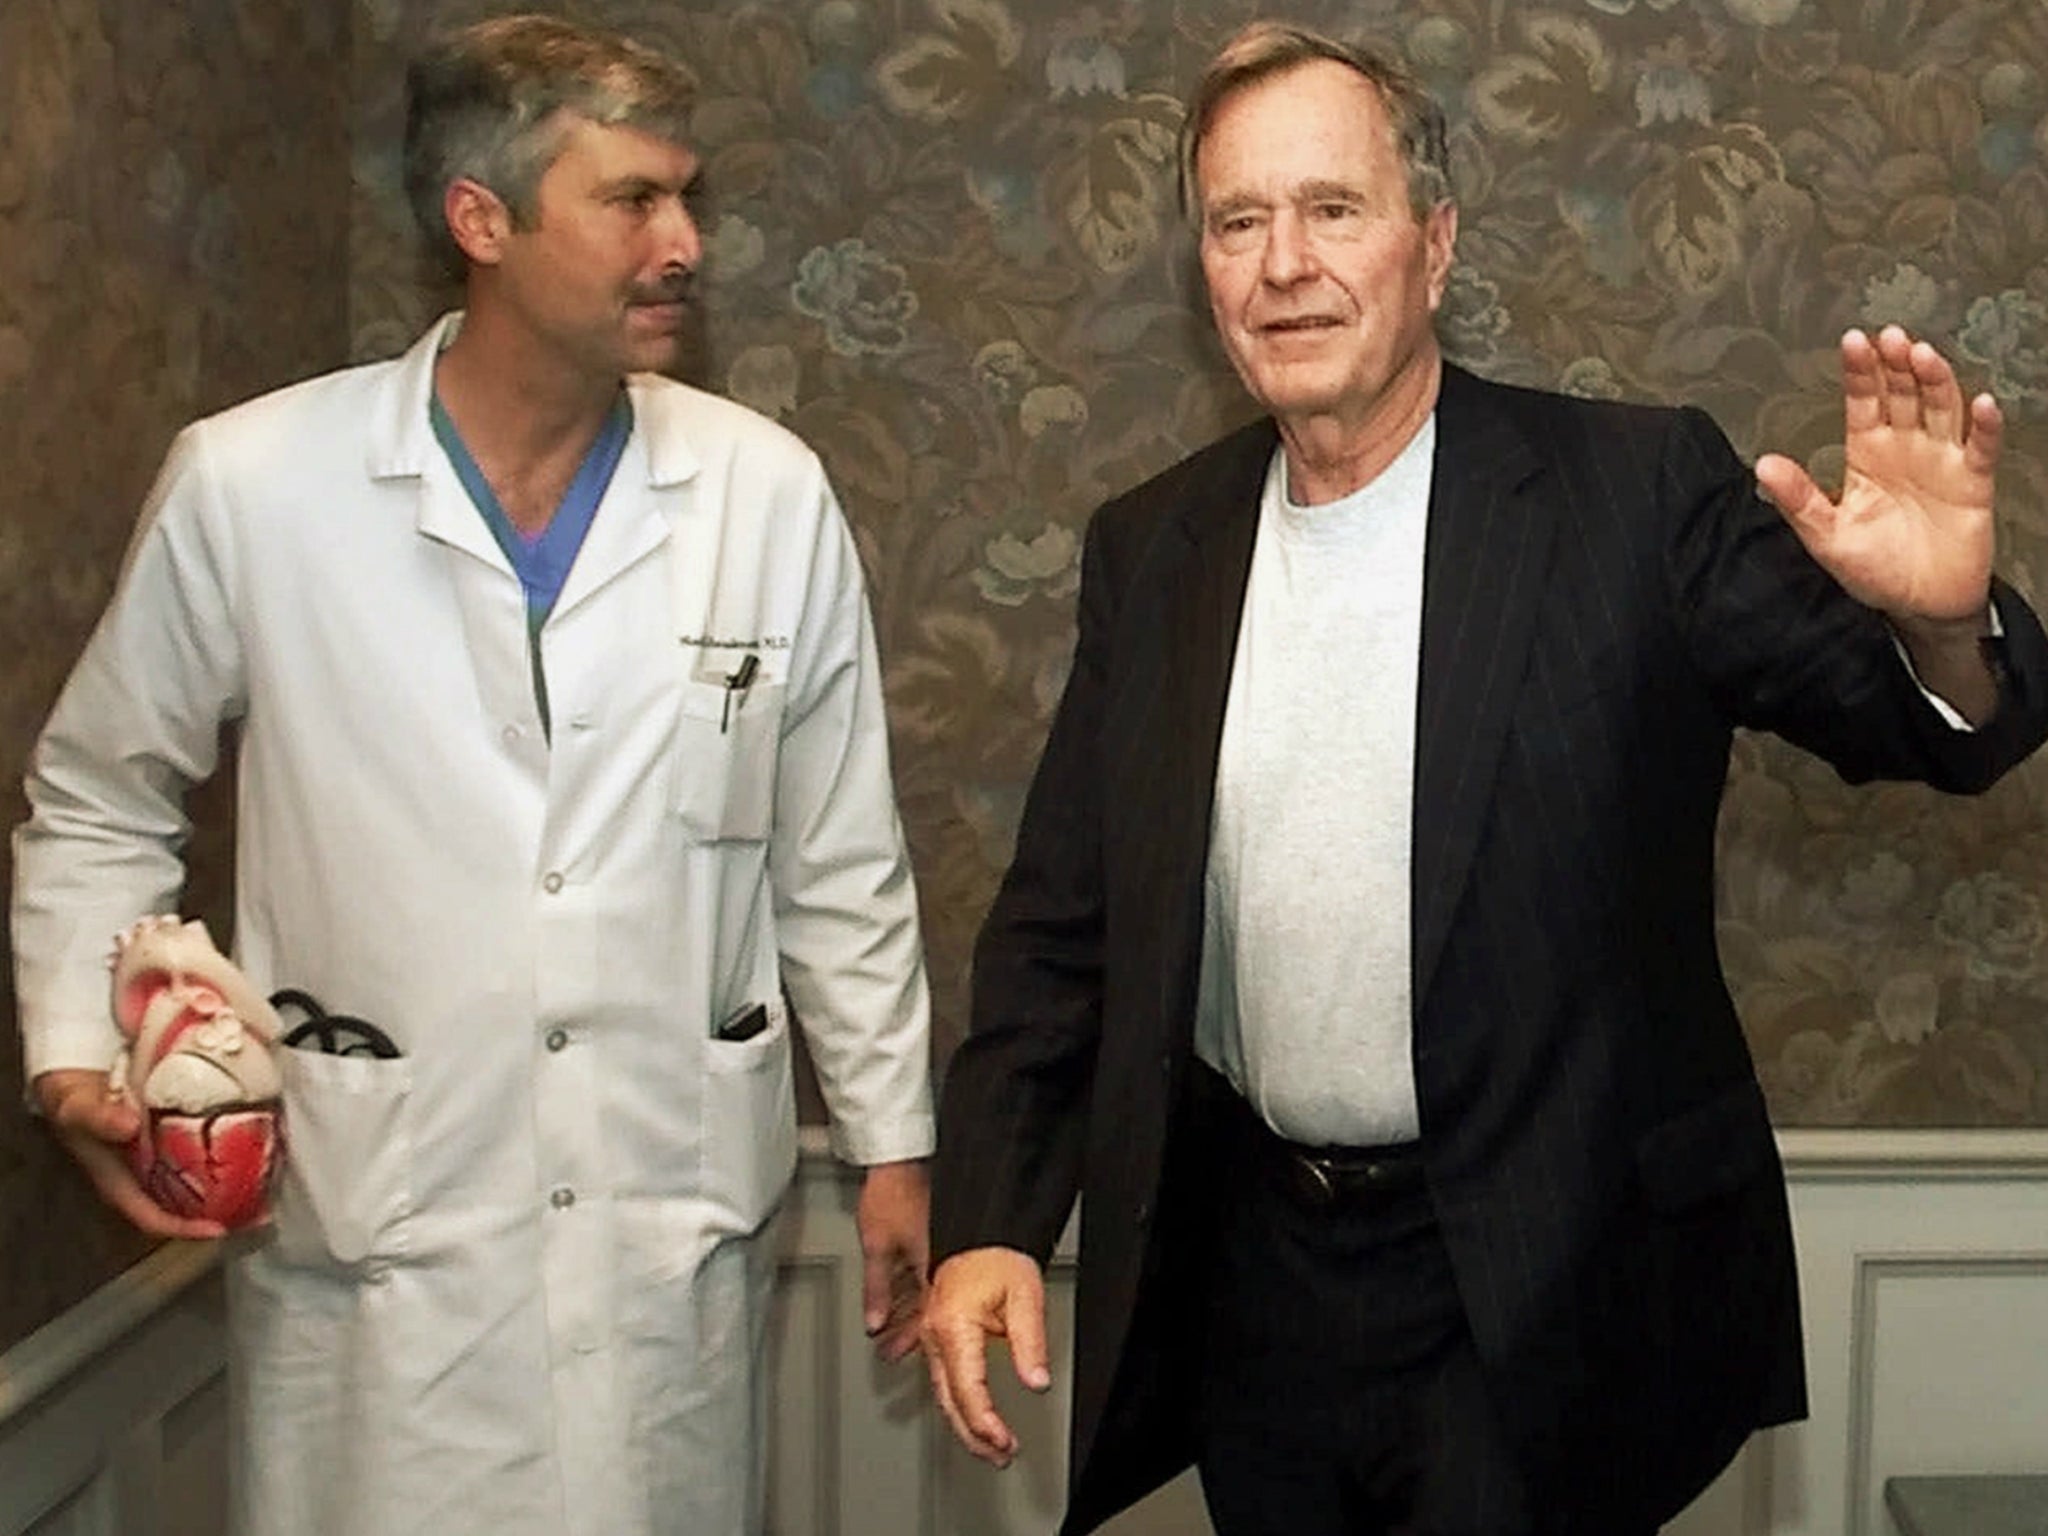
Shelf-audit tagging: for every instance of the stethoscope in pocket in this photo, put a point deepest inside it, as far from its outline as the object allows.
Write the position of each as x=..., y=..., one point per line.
x=332, y=1034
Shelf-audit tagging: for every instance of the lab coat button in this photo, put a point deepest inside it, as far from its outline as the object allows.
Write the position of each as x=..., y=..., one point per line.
x=553, y=882
x=562, y=1198
x=510, y=735
x=557, y=1038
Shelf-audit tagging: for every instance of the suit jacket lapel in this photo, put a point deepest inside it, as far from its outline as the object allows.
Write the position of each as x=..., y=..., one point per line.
x=1207, y=566
x=1484, y=567
x=1206, y=605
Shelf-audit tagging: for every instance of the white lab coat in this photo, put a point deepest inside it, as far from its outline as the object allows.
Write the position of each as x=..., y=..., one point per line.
x=516, y=1279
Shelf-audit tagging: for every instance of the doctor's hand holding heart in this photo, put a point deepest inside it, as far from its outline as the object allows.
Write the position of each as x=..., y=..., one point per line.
x=181, y=1135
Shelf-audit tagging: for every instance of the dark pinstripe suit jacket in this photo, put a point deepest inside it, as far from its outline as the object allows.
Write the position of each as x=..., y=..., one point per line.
x=1605, y=600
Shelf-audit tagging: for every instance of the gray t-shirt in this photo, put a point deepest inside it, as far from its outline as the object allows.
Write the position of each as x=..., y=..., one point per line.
x=1305, y=997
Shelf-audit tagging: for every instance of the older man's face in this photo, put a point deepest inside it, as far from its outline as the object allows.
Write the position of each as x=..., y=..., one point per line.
x=1322, y=281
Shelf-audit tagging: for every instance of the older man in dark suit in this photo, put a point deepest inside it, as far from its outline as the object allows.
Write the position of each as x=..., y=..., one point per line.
x=1357, y=961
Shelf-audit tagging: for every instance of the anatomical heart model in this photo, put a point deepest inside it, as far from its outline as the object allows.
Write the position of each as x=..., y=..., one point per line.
x=199, y=1059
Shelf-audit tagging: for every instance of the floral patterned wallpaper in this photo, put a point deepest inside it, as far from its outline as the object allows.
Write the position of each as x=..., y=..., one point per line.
x=943, y=245
x=173, y=206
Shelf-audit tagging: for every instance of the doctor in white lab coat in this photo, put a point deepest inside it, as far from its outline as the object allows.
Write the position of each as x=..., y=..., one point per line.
x=517, y=1275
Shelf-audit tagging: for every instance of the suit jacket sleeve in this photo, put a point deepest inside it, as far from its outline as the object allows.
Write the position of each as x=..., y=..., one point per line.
x=1784, y=649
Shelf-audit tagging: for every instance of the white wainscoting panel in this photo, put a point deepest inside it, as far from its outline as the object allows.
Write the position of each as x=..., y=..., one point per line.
x=1923, y=1262
x=1948, y=1370
x=1923, y=1271
x=112, y=1417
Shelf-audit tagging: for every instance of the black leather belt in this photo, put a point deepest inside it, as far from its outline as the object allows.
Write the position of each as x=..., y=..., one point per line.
x=1333, y=1176
x=1326, y=1177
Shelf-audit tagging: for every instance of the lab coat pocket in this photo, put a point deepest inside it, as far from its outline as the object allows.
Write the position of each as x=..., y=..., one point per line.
x=749, y=1147
x=727, y=739
x=346, y=1187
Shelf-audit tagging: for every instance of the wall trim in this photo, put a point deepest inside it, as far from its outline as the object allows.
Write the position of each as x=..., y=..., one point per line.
x=821, y=1277
x=1816, y=1155
x=1810, y=1154
x=1872, y=1271
x=1815, y=1152
x=70, y=1341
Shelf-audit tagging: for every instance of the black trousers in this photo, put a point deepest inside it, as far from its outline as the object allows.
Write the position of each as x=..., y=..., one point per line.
x=1340, y=1391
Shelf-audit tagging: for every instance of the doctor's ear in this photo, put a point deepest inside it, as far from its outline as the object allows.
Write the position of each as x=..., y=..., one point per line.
x=478, y=220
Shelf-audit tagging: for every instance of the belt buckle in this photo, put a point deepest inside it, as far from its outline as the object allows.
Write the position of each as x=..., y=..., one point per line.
x=1317, y=1186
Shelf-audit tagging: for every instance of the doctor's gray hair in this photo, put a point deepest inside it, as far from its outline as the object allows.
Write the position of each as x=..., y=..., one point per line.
x=1268, y=48
x=492, y=102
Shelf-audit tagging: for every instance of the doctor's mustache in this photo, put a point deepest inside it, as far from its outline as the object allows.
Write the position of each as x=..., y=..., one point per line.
x=676, y=286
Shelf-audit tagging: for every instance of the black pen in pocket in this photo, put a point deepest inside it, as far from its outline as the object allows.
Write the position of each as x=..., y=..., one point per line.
x=744, y=1025
x=737, y=682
